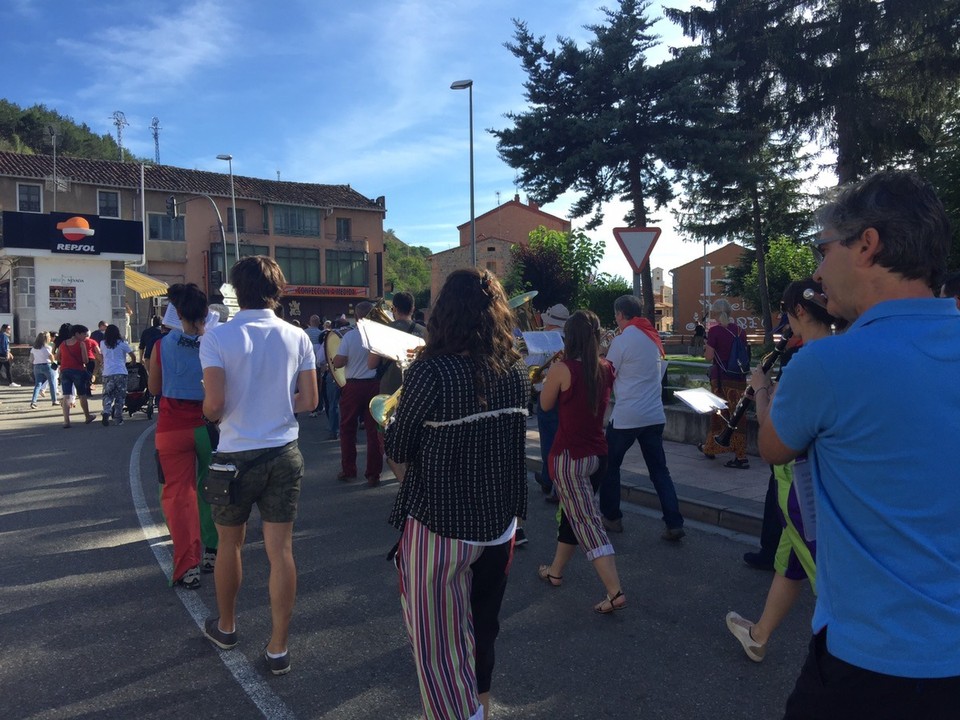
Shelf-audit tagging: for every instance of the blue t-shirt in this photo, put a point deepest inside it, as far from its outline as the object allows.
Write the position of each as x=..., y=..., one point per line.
x=880, y=405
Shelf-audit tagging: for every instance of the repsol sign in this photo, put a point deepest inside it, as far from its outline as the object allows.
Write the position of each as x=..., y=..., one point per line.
x=71, y=234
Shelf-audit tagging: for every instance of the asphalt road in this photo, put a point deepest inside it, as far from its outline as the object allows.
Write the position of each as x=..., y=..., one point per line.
x=90, y=629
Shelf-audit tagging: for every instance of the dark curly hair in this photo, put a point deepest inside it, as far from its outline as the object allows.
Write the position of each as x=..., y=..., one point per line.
x=471, y=316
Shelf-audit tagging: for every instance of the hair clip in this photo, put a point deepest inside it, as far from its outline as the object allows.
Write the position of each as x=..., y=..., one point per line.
x=485, y=283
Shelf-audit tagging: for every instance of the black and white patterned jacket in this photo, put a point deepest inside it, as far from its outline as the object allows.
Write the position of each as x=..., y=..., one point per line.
x=466, y=474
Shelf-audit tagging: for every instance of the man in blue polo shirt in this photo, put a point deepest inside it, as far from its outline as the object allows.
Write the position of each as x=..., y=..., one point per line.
x=878, y=411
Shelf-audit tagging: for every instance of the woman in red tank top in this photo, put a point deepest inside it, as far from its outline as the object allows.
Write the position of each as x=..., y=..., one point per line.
x=579, y=387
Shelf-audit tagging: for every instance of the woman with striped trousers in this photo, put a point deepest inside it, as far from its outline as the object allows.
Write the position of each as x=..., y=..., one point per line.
x=580, y=387
x=460, y=429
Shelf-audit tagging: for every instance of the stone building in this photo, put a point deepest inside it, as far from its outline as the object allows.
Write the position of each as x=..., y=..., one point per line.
x=696, y=285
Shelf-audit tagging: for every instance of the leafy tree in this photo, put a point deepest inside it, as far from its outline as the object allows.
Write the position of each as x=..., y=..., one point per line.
x=601, y=121
x=406, y=268
x=859, y=75
x=786, y=262
x=602, y=292
x=558, y=265
x=28, y=131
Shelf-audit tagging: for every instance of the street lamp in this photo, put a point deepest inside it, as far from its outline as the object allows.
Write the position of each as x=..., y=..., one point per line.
x=468, y=85
x=233, y=211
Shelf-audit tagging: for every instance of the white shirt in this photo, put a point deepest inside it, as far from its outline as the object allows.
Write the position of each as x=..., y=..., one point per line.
x=115, y=360
x=261, y=356
x=636, y=387
x=356, y=355
x=41, y=356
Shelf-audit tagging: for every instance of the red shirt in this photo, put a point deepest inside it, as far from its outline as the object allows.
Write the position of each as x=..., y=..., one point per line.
x=73, y=356
x=581, y=429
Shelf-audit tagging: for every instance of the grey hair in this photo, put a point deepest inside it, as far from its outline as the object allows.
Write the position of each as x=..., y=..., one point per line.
x=906, y=213
x=721, y=308
x=628, y=305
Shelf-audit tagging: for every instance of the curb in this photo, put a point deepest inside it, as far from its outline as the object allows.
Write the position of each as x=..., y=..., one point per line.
x=735, y=514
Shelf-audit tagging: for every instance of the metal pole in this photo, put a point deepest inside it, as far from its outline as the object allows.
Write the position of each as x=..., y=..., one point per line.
x=53, y=136
x=233, y=209
x=473, y=226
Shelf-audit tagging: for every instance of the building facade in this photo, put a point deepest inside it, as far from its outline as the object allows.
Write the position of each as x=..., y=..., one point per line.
x=497, y=231
x=697, y=284
x=327, y=238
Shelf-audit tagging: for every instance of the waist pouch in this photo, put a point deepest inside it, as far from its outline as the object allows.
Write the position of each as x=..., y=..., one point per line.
x=222, y=484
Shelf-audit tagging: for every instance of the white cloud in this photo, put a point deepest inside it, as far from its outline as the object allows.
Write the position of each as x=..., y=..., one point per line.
x=156, y=54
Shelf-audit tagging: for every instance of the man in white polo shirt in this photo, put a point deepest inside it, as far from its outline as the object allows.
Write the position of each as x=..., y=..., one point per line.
x=258, y=372
x=362, y=385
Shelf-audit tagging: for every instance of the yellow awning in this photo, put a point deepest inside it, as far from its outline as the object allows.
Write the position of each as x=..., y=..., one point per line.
x=144, y=285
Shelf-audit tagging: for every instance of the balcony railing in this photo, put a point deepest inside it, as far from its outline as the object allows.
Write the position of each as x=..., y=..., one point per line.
x=354, y=242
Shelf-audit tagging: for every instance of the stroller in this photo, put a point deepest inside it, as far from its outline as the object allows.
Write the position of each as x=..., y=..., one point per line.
x=138, y=397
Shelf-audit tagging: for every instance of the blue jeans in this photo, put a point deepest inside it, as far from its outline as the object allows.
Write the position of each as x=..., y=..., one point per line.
x=547, y=423
x=333, y=404
x=42, y=372
x=650, y=439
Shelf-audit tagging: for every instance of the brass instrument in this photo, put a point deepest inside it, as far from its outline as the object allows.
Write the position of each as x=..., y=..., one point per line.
x=331, y=344
x=526, y=320
x=383, y=407
x=536, y=372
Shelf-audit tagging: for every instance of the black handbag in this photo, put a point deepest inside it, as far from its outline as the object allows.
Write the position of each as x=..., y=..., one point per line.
x=222, y=484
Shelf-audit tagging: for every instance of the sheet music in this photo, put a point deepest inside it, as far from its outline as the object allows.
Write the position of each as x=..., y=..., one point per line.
x=387, y=341
x=171, y=320
x=701, y=400
x=541, y=346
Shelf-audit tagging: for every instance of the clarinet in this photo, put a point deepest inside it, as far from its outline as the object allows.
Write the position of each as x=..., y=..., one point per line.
x=723, y=439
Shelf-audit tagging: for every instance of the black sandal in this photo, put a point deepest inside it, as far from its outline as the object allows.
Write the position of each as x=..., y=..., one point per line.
x=737, y=464
x=544, y=574
x=609, y=604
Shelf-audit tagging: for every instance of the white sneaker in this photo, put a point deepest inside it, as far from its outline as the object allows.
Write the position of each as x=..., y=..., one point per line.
x=740, y=628
x=13, y=384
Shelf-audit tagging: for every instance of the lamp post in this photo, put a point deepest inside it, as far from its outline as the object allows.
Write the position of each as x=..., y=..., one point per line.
x=233, y=211
x=468, y=85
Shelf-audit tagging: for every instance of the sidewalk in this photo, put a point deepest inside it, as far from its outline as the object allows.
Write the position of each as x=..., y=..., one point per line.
x=708, y=491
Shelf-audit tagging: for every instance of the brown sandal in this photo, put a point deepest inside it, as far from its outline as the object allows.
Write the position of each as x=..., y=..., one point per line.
x=609, y=604
x=544, y=574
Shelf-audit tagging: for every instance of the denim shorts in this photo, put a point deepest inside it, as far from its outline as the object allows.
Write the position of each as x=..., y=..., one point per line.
x=274, y=486
x=78, y=380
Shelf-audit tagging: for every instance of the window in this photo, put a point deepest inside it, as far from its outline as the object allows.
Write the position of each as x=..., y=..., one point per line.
x=216, y=253
x=166, y=228
x=108, y=203
x=292, y=220
x=29, y=198
x=241, y=220
x=492, y=266
x=299, y=265
x=346, y=268
x=343, y=229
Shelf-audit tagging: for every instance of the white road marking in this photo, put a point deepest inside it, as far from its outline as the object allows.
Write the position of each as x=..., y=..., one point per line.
x=248, y=678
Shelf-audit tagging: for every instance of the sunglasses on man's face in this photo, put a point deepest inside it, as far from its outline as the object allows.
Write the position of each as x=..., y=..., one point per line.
x=817, y=246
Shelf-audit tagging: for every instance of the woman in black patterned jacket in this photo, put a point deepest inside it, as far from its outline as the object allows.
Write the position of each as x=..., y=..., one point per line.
x=460, y=428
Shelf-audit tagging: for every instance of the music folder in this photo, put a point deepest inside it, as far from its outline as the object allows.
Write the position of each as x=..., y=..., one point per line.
x=387, y=341
x=701, y=400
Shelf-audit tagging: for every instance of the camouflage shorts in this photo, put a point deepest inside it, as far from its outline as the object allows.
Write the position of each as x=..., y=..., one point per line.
x=274, y=486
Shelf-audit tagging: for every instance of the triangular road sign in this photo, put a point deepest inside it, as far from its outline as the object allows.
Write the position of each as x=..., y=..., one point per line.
x=636, y=244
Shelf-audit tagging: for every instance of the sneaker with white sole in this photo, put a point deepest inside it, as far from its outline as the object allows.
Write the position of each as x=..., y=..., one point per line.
x=213, y=633
x=190, y=580
x=208, y=561
x=14, y=384
x=520, y=537
x=740, y=627
x=279, y=665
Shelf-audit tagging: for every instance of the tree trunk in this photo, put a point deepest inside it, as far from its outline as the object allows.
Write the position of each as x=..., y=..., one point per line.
x=640, y=218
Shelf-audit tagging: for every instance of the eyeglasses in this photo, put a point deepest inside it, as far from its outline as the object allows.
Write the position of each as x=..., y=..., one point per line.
x=817, y=247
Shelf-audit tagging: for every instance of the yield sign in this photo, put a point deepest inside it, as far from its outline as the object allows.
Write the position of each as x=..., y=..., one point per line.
x=636, y=244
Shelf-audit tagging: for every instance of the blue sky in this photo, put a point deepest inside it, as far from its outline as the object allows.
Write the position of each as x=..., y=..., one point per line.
x=320, y=90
